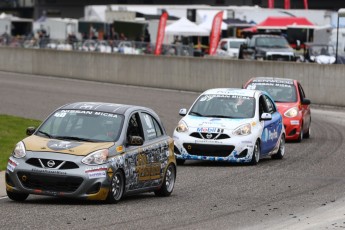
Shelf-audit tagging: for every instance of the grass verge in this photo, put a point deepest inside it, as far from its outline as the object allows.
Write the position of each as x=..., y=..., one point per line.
x=12, y=130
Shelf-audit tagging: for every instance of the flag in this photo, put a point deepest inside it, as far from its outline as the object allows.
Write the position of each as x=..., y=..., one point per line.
x=215, y=32
x=160, y=32
x=286, y=4
x=271, y=4
x=306, y=4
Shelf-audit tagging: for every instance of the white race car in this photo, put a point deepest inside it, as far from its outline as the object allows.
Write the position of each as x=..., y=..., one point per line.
x=233, y=125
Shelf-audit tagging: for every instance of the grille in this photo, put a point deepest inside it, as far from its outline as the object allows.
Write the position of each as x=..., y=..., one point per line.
x=279, y=57
x=50, y=182
x=213, y=136
x=66, y=164
x=209, y=150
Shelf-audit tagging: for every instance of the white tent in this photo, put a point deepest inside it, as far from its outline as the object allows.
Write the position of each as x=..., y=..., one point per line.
x=184, y=27
x=208, y=25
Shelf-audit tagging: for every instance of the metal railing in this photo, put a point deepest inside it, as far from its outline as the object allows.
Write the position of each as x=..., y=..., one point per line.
x=102, y=46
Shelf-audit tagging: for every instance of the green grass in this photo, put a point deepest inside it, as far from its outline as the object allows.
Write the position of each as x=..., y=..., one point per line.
x=12, y=130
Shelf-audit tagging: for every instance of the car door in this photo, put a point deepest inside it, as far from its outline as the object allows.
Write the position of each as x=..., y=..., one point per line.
x=140, y=157
x=156, y=145
x=272, y=128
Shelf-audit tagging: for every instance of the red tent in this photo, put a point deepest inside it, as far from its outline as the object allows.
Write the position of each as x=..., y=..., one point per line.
x=281, y=23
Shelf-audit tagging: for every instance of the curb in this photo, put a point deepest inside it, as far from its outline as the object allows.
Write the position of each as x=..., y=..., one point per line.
x=2, y=184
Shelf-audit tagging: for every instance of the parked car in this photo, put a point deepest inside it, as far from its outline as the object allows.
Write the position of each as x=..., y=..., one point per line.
x=232, y=125
x=267, y=47
x=319, y=53
x=229, y=47
x=94, y=151
x=291, y=101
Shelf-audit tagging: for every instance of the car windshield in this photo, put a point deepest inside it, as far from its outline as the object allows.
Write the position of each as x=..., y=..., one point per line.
x=82, y=125
x=273, y=42
x=279, y=91
x=224, y=106
x=236, y=44
x=321, y=50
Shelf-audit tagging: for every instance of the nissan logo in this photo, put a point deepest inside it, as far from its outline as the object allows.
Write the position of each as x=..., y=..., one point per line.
x=50, y=163
x=209, y=135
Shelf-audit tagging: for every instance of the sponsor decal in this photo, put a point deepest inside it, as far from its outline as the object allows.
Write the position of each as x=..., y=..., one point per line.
x=119, y=149
x=12, y=164
x=294, y=122
x=207, y=130
x=268, y=135
x=49, y=171
x=97, y=172
x=253, y=123
x=62, y=145
x=247, y=142
x=272, y=135
x=202, y=141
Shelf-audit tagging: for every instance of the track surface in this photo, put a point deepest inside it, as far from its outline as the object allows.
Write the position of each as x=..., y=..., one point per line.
x=298, y=192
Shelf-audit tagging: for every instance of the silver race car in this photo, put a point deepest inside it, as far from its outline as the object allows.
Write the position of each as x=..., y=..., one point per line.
x=96, y=151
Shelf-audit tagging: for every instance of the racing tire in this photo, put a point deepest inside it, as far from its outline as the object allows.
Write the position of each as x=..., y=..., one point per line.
x=300, y=137
x=281, y=151
x=168, y=182
x=116, y=189
x=307, y=134
x=180, y=161
x=17, y=196
x=256, y=154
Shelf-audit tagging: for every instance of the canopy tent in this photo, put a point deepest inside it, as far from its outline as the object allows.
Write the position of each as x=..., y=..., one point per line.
x=208, y=25
x=184, y=27
x=281, y=23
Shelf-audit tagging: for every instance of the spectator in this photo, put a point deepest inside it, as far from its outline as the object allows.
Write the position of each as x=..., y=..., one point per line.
x=113, y=34
x=123, y=37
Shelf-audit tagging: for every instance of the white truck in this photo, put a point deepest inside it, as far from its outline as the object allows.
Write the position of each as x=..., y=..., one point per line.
x=229, y=47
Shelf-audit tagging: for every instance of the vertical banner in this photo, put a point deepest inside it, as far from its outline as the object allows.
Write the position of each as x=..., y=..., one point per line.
x=286, y=4
x=270, y=4
x=306, y=4
x=215, y=32
x=161, y=32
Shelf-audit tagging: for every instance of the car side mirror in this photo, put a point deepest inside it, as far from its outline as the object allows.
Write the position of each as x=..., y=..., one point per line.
x=306, y=101
x=183, y=112
x=135, y=140
x=30, y=131
x=266, y=117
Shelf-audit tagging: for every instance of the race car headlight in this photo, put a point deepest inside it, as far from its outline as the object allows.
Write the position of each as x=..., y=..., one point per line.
x=96, y=158
x=293, y=112
x=243, y=130
x=19, y=150
x=182, y=127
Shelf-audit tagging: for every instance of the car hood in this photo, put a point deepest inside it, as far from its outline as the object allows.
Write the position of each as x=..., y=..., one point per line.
x=205, y=124
x=275, y=50
x=284, y=106
x=41, y=144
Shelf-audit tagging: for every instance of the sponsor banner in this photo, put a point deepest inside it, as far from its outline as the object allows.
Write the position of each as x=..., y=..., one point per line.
x=270, y=4
x=215, y=32
x=160, y=32
x=305, y=4
x=286, y=4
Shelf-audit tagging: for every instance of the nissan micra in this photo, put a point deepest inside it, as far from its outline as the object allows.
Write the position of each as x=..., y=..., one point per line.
x=95, y=151
x=232, y=125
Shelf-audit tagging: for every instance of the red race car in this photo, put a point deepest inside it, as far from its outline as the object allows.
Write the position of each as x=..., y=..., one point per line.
x=290, y=99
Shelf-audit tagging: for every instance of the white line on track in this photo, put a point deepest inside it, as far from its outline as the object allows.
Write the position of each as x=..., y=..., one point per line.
x=5, y=197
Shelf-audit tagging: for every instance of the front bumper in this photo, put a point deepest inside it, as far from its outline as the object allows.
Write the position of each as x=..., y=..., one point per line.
x=78, y=181
x=292, y=127
x=235, y=149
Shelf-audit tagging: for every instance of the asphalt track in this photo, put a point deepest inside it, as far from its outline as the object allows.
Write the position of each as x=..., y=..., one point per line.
x=305, y=190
